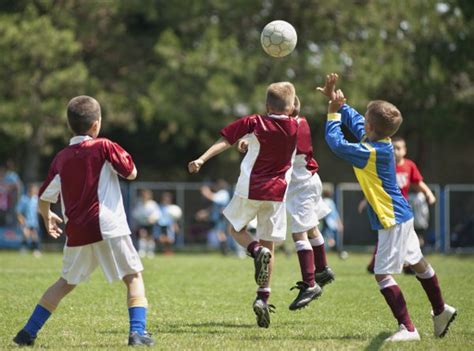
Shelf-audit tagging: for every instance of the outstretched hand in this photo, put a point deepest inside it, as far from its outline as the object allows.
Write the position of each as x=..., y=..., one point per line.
x=195, y=166
x=336, y=103
x=329, y=86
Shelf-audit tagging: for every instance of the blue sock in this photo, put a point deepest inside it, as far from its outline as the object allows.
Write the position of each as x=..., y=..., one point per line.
x=137, y=319
x=39, y=316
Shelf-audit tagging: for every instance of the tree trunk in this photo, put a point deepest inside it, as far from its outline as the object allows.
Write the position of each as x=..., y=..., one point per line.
x=31, y=161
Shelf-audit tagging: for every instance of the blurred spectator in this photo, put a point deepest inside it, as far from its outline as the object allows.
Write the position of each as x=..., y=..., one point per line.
x=146, y=214
x=4, y=192
x=332, y=227
x=220, y=197
x=168, y=224
x=27, y=215
x=15, y=190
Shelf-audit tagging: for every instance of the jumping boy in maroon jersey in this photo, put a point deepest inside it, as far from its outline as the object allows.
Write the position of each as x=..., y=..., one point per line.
x=262, y=185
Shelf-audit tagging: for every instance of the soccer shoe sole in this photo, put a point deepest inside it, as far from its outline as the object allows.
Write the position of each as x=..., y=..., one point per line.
x=261, y=267
x=263, y=316
x=453, y=317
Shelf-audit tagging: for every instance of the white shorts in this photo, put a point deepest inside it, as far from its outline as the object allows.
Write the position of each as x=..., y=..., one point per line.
x=305, y=204
x=397, y=245
x=116, y=256
x=271, y=217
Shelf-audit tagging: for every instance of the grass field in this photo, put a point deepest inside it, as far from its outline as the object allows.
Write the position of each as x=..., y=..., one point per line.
x=204, y=302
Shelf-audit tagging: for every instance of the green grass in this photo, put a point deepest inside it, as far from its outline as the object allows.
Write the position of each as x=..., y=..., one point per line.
x=204, y=302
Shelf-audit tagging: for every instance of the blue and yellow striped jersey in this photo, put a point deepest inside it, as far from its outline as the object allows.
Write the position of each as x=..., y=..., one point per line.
x=374, y=167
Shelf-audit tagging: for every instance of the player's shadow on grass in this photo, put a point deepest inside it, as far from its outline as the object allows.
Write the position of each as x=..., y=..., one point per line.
x=377, y=342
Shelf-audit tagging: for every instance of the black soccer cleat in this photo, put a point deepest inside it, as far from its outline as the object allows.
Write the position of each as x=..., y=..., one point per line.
x=306, y=295
x=262, y=311
x=262, y=262
x=23, y=338
x=325, y=277
x=136, y=339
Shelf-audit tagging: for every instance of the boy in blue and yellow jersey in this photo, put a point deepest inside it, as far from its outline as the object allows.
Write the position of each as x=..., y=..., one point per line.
x=374, y=165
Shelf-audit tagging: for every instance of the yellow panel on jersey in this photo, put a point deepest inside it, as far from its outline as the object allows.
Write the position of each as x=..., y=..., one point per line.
x=374, y=192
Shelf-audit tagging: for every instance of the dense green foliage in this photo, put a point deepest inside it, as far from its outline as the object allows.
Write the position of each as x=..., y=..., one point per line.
x=170, y=74
x=204, y=302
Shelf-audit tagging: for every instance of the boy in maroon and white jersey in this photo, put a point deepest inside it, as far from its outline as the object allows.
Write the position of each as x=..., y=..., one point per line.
x=306, y=207
x=84, y=175
x=265, y=173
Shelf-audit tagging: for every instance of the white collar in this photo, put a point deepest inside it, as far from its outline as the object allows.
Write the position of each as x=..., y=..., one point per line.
x=79, y=139
x=272, y=115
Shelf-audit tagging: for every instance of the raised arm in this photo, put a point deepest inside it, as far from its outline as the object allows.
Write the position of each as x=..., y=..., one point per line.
x=218, y=147
x=353, y=120
x=356, y=153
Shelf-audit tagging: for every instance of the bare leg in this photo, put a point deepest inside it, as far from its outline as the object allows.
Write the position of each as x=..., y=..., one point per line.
x=55, y=293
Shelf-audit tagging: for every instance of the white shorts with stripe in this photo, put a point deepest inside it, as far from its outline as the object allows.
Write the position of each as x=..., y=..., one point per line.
x=397, y=245
x=271, y=217
x=305, y=205
x=116, y=256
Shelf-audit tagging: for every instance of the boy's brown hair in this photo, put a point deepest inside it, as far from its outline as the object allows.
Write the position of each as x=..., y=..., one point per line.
x=384, y=117
x=281, y=97
x=397, y=138
x=82, y=112
x=297, y=105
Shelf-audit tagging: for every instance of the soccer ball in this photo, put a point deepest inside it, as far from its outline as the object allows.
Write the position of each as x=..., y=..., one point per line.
x=278, y=38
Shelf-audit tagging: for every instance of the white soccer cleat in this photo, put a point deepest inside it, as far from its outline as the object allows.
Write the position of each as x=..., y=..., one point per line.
x=404, y=335
x=442, y=321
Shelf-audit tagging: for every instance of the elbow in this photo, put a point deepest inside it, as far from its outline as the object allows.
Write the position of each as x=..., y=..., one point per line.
x=133, y=175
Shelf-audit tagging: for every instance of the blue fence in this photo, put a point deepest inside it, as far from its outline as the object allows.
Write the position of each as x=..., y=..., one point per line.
x=451, y=227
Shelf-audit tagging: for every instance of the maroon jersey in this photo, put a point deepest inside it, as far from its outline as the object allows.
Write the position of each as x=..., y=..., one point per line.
x=305, y=165
x=407, y=173
x=265, y=170
x=85, y=175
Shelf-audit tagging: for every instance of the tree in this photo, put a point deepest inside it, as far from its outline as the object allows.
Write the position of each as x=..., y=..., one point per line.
x=40, y=71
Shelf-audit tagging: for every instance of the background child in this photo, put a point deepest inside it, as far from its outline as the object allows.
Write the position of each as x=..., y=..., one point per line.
x=374, y=166
x=146, y=214
x=262, y=185
x=306, y=207
x=84, y=174
x=167, y=226
x=27, y=214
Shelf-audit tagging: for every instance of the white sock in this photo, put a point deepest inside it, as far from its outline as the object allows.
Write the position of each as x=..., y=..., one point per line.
x=318, y=241
x=429, y=273
x=301, y=245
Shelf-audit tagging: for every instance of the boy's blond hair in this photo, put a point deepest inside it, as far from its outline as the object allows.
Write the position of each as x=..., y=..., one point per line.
x=281, y=97
x=297, y=105
x=384, y=117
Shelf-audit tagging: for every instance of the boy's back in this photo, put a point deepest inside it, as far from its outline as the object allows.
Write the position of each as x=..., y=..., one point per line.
x=265, y=169
x=85, y=173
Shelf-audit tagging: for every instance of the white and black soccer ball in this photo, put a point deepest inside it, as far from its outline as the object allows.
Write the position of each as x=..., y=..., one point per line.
x=278, y=38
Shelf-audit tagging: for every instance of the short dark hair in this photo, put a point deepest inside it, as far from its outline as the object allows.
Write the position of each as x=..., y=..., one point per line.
x=82, y=112
x=397, y=138
x=384, y=117
x=297, y=109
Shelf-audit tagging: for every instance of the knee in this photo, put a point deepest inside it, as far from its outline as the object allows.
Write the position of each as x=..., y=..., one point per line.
x=314, y=233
